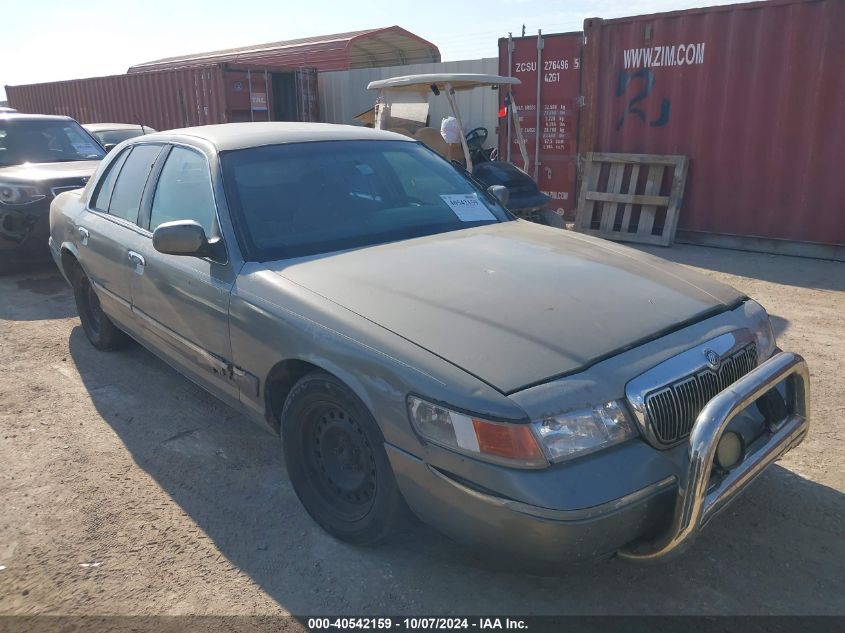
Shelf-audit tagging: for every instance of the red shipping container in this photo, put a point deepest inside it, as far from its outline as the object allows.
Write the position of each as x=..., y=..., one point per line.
x=164, y=100
x=754, y=94
x=553, y=63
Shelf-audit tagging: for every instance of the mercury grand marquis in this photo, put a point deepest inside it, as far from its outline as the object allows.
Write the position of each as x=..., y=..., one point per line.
x=547, y=394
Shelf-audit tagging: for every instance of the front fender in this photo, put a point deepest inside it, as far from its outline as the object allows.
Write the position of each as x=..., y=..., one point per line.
x=272, y=319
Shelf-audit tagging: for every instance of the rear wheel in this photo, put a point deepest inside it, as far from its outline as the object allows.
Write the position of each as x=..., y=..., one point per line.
x=100, y=330
x=335, y=457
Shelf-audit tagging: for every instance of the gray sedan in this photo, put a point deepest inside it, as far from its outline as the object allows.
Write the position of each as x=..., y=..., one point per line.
x=547, y=394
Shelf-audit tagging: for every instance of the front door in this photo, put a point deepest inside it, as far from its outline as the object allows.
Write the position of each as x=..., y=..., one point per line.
x=183, y=302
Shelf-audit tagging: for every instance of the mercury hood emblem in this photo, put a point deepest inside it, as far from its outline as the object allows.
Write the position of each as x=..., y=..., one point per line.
x=712, y=358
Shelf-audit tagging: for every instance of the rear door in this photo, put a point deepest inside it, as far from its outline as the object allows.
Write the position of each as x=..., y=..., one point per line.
x=183, y=302
x=108, y=233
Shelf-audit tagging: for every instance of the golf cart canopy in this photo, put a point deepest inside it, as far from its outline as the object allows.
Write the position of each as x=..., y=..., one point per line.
x=405, y=99
x=458, y=81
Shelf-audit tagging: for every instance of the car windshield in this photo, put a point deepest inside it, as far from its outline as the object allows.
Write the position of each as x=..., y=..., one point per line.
x=45, y=141
x=117, y=136
x=301, y=199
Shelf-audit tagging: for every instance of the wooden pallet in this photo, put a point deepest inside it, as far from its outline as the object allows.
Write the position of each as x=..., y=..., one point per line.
x=621, y=197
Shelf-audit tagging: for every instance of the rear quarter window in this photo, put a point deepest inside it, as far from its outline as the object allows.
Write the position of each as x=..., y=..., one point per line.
x=126, y=196
x=105, y=187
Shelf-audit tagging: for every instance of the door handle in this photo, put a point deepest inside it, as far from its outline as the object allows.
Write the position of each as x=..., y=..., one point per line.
x=136, y=259
x=83, y=235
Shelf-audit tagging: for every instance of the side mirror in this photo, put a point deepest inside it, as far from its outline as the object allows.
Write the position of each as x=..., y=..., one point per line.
x=109, y=147
x=186, y=237
x=501, y=193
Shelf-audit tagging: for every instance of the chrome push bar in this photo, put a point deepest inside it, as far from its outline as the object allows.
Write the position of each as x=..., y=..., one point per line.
x=696, y=504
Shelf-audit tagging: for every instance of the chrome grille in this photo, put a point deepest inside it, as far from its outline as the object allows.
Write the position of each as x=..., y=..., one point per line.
x=671, y=411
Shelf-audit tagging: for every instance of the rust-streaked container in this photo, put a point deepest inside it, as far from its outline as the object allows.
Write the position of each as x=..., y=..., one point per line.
x=754, y=94
x=220, y=93
x=553, y=63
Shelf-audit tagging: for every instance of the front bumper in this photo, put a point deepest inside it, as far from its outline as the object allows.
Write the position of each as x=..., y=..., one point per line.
x=23, y=233
x=524, y=532
x=698, y=500
x=649, y=524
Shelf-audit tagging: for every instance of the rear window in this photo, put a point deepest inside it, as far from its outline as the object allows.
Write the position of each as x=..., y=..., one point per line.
x=299, y=199
x=45, y=141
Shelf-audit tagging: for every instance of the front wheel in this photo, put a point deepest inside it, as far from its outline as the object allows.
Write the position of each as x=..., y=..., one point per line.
x=335, y=457
x=99, y=328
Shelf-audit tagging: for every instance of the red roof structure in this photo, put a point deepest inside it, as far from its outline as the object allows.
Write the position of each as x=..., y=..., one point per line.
x=389, y=46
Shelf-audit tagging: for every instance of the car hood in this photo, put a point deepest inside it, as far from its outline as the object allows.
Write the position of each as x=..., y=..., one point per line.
x=40, y=172
x=514, y=303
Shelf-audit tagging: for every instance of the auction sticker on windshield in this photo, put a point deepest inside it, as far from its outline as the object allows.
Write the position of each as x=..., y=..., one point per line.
x=85, y=149
x=468, y=207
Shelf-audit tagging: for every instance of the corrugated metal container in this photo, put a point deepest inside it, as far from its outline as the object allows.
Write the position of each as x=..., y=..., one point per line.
x=754, y=94
x=161, y=100
x=178, y=98
x=547, y=101
x=357, y=49
x=344, y=94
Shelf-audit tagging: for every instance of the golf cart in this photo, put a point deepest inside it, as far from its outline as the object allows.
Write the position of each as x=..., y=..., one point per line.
x=402, y=106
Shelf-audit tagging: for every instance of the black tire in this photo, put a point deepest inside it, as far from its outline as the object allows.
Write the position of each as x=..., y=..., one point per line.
x=335, y=457
x=99, y=328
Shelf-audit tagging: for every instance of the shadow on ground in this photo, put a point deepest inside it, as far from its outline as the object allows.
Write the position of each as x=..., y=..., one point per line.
x=778, y=550
x=801, y=271
x=47, y=296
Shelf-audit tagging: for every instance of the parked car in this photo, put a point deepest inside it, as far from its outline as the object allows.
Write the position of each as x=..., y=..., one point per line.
x=548, y=394
x=40, y=156
x=110, y=134
x=7, y=110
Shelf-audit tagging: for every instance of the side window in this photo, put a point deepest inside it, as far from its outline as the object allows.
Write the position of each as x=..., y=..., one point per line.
x=126, y=197
x=106, y=186
x=184, y=191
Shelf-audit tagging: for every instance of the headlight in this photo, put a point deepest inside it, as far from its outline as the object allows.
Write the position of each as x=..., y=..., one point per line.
x=508, y=444
x=583, y=431
x=19, y=194
x=764, y=335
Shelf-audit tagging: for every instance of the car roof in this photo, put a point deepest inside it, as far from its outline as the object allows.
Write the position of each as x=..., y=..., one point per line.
x=100, y=127
x=21, y=116
x=232, y=136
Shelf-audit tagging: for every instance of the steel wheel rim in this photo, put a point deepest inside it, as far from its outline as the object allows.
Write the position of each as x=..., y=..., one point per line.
x=340, y=460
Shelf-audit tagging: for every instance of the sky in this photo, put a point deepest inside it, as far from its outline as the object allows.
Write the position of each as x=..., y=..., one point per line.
x=52, y=40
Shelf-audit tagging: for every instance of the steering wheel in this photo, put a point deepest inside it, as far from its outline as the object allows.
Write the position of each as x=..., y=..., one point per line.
x=476, y=137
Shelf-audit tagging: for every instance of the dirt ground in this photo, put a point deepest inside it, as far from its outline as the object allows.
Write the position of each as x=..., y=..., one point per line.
x=125, y=489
